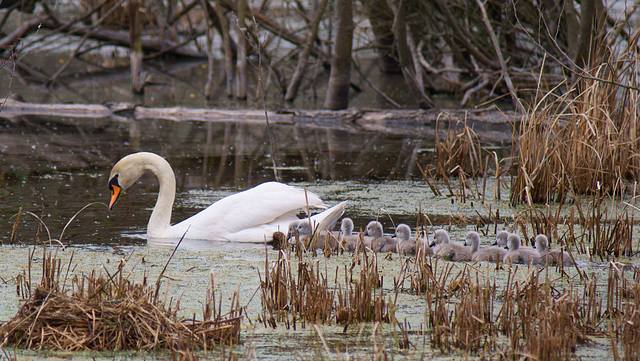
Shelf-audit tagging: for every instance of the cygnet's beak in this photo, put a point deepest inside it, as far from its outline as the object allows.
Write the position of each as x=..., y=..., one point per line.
x=433, y=243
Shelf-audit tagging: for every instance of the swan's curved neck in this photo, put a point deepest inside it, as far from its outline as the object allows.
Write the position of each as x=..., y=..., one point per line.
x=474, y=247
x=160, y=220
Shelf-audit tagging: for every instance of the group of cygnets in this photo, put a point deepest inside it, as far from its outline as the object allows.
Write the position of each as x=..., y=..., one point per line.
x=506, y=249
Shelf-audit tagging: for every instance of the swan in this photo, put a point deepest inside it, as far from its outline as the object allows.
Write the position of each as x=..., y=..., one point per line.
x=349, y=239
x=472, y=240
x=408, y=244
x=249, y=216
x=448, y=250
x=517, y=254
x=378, y=240
x=550, y=256
x=316, y=240
x=493, y=253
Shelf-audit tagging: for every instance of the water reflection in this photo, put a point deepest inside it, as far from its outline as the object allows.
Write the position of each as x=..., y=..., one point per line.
x=55, y=168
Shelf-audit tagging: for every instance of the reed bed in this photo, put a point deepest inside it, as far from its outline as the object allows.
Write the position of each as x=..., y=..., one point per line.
x=459, y=153
x=110, y=312
x=600, y=229
x=289, y=295
x=532, y=315
x=304, y=293
x=585, y=140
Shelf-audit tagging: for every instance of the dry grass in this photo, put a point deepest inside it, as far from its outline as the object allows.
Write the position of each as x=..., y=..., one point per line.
x=306, y=294
x=531, y=316
x=600, y=228
x=360, y=298
x=110, y=312
x=584, y=141
x=459, y=153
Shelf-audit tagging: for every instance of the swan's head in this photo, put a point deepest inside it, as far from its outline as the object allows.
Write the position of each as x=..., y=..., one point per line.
x=542, y=243
x=304, y=229
x=403, y=232
x=128, y=170
x=501, y=238
x=346, y=226
x=441, y=237
x=513, y=242
x=472, y=239
x=374, y=229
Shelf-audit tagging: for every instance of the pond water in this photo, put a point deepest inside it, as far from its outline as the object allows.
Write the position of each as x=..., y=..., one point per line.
x=54, y=168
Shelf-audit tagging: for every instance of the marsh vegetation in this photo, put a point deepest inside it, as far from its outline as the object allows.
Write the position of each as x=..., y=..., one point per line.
x=565, y=165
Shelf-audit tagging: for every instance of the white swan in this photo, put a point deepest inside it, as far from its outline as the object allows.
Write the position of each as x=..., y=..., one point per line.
x=249, y=216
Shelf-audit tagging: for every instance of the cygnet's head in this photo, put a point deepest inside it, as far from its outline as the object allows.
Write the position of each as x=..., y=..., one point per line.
x=403, y=232
x=293, y=228
x=441, y=236
x=513, y=242
x=542, y=243
x=472, y=240
x=303, y=229
x=501, y=238
x=374, y=229
x=346, y=226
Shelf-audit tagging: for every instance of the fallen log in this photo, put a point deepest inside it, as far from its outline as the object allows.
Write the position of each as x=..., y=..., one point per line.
x=375, y=120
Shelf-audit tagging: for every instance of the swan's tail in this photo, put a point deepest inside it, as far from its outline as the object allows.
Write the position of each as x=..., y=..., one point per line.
x=326, y=220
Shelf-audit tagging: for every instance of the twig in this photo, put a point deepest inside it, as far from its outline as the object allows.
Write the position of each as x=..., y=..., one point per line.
x=503, y=65
x=357, y=68
x=155, y=296
x=55, y=76
x=304, y=56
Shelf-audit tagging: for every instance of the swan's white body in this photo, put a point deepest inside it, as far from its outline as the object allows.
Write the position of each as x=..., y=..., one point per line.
x=249, y=216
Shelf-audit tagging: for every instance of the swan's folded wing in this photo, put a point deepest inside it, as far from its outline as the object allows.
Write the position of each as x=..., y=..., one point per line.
x=254, y=208
x=326, y=220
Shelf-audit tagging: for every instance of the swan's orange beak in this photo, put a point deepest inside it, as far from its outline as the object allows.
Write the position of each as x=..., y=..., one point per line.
x=115, y=189
x=115, y=192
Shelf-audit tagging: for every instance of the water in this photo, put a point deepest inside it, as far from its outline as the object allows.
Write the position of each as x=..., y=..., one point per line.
x=54, y=169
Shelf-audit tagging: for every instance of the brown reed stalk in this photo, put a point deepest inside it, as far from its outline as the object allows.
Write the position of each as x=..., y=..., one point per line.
x=109, y=313
x=472, y=325
x=357, y=299
x=461, y=149
x=583, y=141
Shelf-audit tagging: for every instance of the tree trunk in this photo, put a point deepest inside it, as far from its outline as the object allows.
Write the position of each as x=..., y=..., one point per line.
x=135, y=28
x=340, y=77
x=406, y=59
x=591, y=32
x=296, y=79
x=381, y=19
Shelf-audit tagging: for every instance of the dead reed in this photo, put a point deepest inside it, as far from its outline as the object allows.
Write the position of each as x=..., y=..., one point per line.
x=110, y=312
x=305, y=294
x=472, y=326
x=361, y=298
x=585, y=140
x=459, y=153
x=608, y=234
